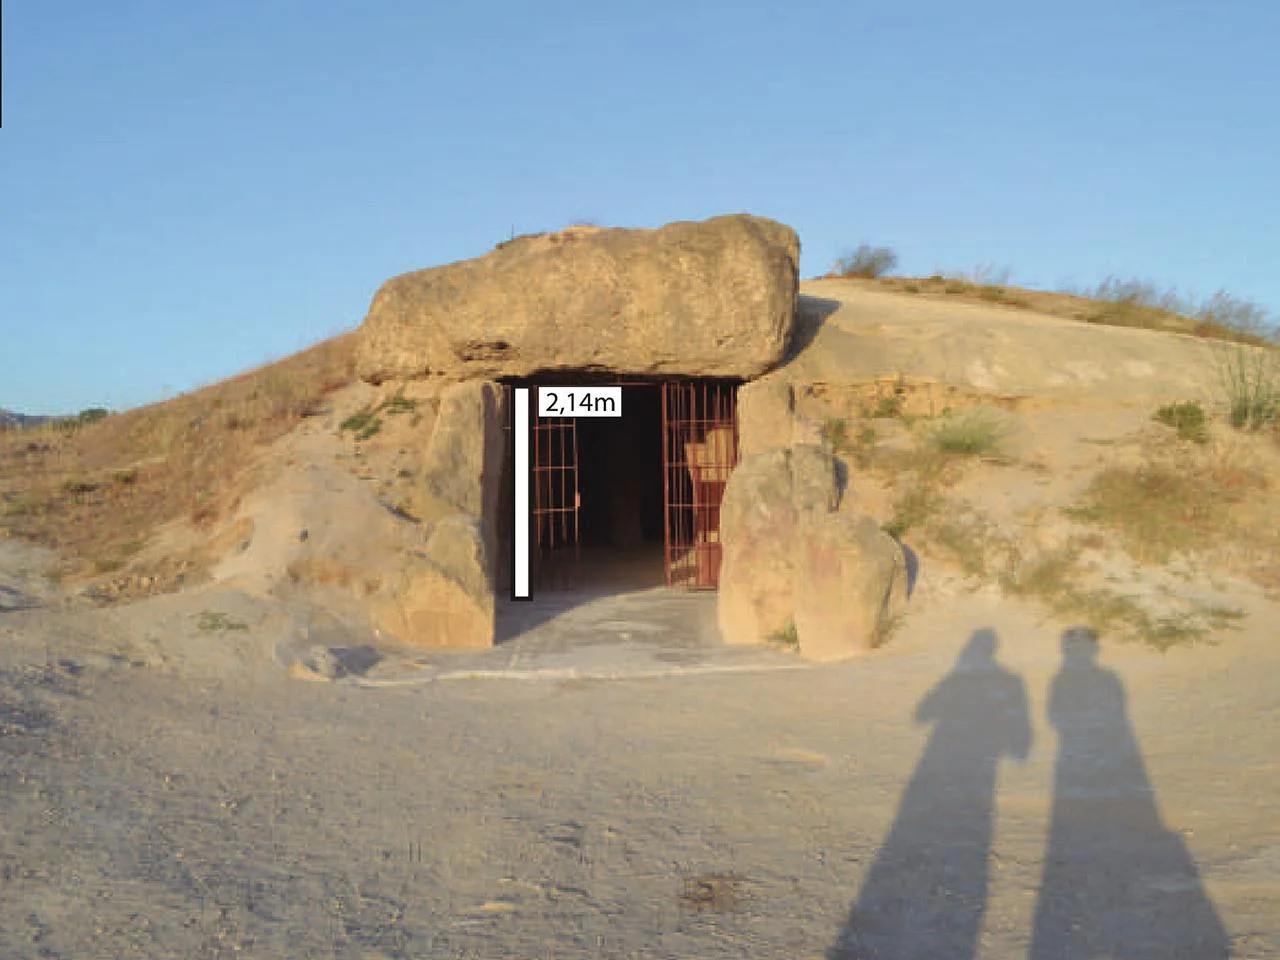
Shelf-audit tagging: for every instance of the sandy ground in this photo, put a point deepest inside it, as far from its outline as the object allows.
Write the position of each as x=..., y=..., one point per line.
x=629, y=789
x=612, y=780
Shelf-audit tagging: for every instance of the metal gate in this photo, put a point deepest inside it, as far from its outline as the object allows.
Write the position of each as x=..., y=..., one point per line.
x=556, y=500
x=699, y=451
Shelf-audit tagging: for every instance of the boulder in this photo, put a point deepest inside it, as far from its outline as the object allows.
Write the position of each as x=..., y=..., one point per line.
x=757, y=528
x=714, y=298
x=850, y=582
x=792, y=558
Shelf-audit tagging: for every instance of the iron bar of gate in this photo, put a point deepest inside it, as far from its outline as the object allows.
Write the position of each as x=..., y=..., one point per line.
x=556, y=499
x=700, y=444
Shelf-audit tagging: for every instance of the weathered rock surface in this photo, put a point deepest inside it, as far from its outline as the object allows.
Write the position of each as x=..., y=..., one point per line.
x=792, y=559
x=713, y=298
x=461, y=464
x=445, y=595
x=764, y=410
x=758, y=521
x=815, y=480
x=851, y=581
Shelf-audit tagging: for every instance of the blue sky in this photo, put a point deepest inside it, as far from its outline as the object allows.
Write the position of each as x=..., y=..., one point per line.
x=189, y=189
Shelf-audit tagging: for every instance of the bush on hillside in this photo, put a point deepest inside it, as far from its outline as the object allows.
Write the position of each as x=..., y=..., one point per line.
x=867, y=262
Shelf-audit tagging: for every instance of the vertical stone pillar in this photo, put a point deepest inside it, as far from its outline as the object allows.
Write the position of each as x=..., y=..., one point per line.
x=445, y=595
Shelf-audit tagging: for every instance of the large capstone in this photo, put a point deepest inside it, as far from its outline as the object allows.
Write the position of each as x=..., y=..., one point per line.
x=715, y=299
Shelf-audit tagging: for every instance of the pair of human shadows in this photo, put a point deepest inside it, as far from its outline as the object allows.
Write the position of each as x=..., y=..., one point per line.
x=1116, y=882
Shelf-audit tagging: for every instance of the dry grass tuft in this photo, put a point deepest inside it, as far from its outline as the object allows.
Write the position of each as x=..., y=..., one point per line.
x=1160, y=509
x=1111, y=303
x=98, y=491
x=1249, y=384
x=974, y=433
x=1054, y=578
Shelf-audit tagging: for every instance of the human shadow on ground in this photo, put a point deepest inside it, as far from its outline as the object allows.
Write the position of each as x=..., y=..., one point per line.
x=1117, y=883
x=926, y=893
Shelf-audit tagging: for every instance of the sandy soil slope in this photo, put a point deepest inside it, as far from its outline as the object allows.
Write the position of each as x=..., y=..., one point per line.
x=614, y=782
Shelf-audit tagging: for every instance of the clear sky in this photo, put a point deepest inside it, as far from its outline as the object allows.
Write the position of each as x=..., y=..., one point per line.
x=188, y=189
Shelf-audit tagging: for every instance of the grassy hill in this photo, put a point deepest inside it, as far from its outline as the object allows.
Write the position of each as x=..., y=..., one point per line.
x=96, y=491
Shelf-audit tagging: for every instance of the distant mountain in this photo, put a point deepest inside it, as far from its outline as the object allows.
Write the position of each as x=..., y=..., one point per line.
x=20, y=421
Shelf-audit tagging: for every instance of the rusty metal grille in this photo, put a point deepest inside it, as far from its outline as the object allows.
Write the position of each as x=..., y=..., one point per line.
x=555, y=499
x=699, y=451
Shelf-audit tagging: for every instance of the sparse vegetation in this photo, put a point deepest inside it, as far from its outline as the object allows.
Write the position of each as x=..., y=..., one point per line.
x=787, y=637
x=974, y=433
x=1140, y=303
x=915, y=506
x=1113, y=302
x=1053, y=578
x=1159, y=510
x=861, y=447
x=367, y=423
x=970, y=539
x=398, y=403
x=214, y=621
x=867, y=262
x=836, y=432
x=92, y=415
x=887, y=407
x=363, y=423
x=1249, y=383
x=87, y=492
x=1188, y=419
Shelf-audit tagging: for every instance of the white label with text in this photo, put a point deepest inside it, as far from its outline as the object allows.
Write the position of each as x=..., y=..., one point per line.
x=579, y=401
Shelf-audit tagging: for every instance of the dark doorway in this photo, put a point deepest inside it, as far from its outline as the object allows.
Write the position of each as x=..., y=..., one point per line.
x=620, y=470
x=630, y=501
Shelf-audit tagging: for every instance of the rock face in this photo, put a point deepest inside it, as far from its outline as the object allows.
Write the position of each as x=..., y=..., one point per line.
x=851, y=581
x=444, y=597
x=765, y=409
x=794, y=558
x=758, y=521
x=714, y=298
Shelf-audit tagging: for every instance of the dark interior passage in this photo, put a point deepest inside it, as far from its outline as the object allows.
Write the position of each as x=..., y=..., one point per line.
x=620, y=473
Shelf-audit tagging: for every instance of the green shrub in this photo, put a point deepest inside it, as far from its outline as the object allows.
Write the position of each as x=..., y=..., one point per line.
x=363, y=423
x=975, y=433
x=1249, y=382
x=867, y=262
x=1189, y=419
x=398, y=403
x=786, y=637
x=215, y=621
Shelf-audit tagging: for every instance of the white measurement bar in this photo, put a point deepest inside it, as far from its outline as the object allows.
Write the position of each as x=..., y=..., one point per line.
x=520, y=551
x=579, y=401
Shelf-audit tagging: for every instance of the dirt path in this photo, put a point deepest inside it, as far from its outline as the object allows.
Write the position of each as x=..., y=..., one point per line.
x=215, y=807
